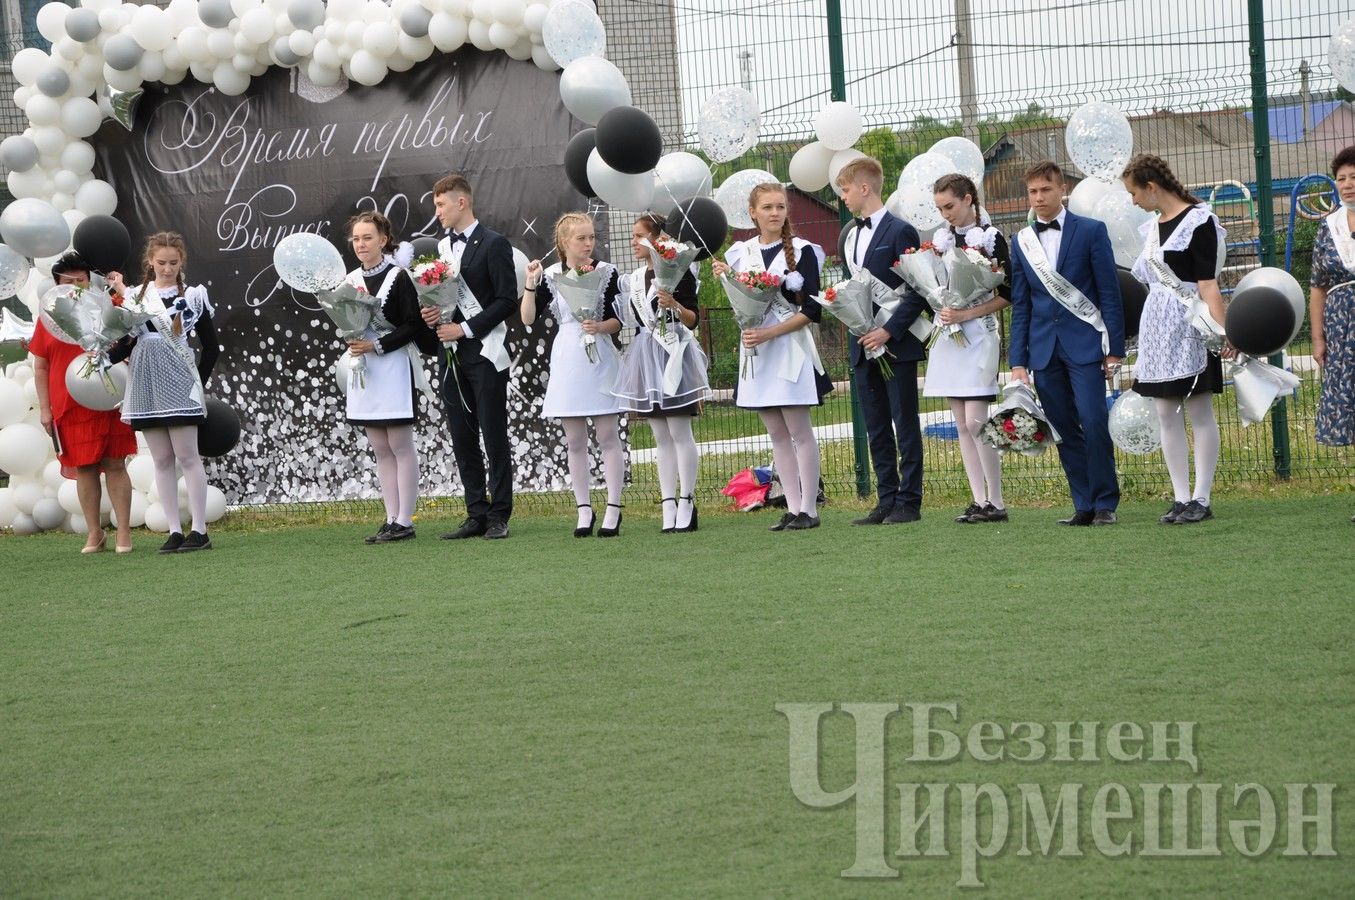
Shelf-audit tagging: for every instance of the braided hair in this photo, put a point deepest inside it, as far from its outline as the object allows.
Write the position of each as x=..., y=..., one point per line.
x=379, y=222
x=159, y=241
x=787, y=229
x=1145, y=169
x=564, y=227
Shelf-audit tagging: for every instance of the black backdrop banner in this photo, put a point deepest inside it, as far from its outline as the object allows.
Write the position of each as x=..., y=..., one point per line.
x=235, y=175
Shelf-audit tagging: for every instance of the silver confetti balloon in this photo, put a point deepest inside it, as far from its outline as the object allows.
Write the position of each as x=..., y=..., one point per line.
x=728, y=124
x=733, y=194
x=1341, y=55
x=1099, y=140
x=572, y=30
x=13, y=271
x=1134, y=426
x=308, y=263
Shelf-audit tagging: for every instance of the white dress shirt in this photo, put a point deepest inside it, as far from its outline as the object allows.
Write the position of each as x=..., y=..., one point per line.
x=864, y=236
x=1051, y=239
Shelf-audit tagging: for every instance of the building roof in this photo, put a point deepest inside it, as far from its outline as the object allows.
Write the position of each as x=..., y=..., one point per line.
x=1286, y=122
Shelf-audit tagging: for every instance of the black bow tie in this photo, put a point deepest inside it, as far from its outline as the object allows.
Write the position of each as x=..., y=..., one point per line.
x=862, y=222
x=455, y=237
x=1047, y=226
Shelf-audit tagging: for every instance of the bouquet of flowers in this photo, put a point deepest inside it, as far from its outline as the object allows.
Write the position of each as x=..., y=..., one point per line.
x=438, y=288
x=852, y=303
x=89, y=317
x=1018, y=423
x=974, y=272
x=353, y=311
x=923, y=269
x=581, y=288
x=750, y=295
x=15, y=334
x=671, y=261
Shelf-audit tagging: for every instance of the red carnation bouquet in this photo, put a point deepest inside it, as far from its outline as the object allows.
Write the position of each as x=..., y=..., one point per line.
x=751, y=295
x=1018, y=423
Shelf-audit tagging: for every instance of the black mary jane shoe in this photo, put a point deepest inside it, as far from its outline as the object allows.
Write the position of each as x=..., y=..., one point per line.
x=587, y=531
x=786, y=519
x=671, y=528
x=615, y=530
x=691, y=526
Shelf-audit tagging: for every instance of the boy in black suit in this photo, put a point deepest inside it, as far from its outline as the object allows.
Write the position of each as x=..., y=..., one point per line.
x=475, y=386
x=889, y=405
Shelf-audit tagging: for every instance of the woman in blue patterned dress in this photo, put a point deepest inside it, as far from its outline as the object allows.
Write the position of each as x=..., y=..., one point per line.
x=1331, y=307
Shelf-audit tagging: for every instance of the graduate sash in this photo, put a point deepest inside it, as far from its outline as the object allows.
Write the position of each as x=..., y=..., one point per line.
x=672, y=336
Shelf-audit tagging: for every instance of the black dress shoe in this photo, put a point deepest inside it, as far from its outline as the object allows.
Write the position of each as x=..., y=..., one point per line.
x=497, y=530
x=786, y=519
x=587, y=531
x=1194, y=512
x=196, y=540
x=672, y=500
x=991, y=513
x=173, y=544
x=875, y=517
x=614, y=531
x=803, y=522
x=396, y=532
x=1169, y=518
x=1106, y=517
x=692, y=525
x=469, y=529
x=373, y=538
x=902, y=514
x=969, y=514
x=1078, y=518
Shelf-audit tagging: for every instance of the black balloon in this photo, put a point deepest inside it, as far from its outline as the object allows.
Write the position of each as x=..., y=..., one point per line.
x=1133, y=294
x=699, y=221
x=425, y=246
x=221, y=432
x=576, y=160
x=629, y=141
x=1259, y=321
x=104, y=243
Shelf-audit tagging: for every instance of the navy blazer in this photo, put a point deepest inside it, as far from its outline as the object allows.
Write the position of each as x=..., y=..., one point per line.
x=887, y=243
x=488, y=270
x=1087, y=261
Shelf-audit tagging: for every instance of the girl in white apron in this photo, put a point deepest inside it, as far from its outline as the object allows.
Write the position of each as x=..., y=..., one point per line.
x=164, y=398
x=384, y=401
x=664, y=323
x=787, y=379
x=1183, y=251
x=583, y=367
x=967, y=375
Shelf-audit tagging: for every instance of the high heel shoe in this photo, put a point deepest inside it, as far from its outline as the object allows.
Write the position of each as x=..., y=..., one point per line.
x=691, y=526
x=99, y=547
x=671, y=528
x=592, y=520
x=612, y=532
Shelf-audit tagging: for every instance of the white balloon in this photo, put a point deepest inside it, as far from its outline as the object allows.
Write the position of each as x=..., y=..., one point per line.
x=43, y=110
x=571, y=31
x=1123, y=220
x=1134, y=424
x=734, y=193
x=257, y=26
x=68, y=495
x=29, y=185
x=51, y=476
x=48, y=514
x=301, y=42
x=965, y=157
x=502, y=36
x=590, y=86
x=448, y=32
x=27, y=63
x=68, y=49
x=51, y=20
x=542, y=59
x=220, y=45
x=306, y=14
x=23, y=525
x=1083, y=198
x=76, y=524
x=924, y=170
x=216, y=503
x=1099, y=140
x=1341, y=55
x=366, y=69
x=229, y=80
x=838, y=125
x=80, y=117
x=321, y=75
x=23, y=449
x=479, y=35
x=34, y=228
x=380, y=40
x=96, y=198
x=678, y=177
x=96, y=391
x=809, y=166
x=840, y=159
x=151, y=28
x=13, y=403
x=728, y=124
x=510, y=12
x=416, y=49
x=136, y=514
x=632, y=193
x=49, y=139
x=155, y=518
x=141, y=470
x=535, y=17
x=25, y=494
x=7, y=508
x=14, y=269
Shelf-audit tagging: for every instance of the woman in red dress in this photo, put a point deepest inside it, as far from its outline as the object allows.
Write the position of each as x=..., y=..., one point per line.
x=91, y=442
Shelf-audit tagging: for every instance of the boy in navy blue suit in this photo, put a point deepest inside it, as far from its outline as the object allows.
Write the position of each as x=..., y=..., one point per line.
x=889, y=405
x=1068, y=328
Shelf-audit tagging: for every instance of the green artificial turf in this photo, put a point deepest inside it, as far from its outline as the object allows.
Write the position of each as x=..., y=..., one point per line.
x=295, y=713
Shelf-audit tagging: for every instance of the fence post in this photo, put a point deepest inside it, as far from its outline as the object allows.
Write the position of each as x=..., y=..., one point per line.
x=837, y=66
x=1265, y=202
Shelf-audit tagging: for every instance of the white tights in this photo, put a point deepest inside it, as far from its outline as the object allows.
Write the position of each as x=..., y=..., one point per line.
x=677, y=457
x=1171, y=413
x=179, y=444
x=795, y=454
x=608, y=430
x=982, y=464
x=397, y=469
